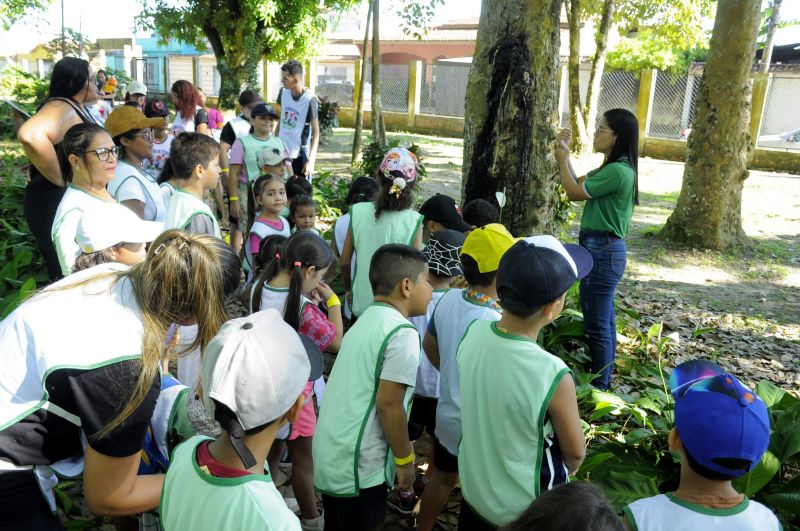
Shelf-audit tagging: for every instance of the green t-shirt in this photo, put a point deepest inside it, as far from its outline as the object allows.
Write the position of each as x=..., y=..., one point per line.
x=610, y=207
x=507, y=383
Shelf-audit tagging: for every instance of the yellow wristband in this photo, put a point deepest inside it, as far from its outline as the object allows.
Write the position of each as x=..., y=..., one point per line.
x=224, y=170
x=333, y=300
x=233, y=198
x=404, y=461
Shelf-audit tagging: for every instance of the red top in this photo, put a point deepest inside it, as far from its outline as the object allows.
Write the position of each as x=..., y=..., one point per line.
x=214, y=467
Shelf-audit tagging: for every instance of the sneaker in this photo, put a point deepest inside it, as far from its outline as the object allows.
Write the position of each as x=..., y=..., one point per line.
x=402, y=502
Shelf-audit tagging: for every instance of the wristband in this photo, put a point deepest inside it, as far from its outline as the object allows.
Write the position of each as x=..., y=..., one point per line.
x=224, y=170
x=333, y=300
x=404, y=461
x=233, y=198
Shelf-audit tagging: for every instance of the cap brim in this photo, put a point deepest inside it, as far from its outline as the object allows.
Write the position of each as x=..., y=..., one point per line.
x=581, y=257
x=143, y=232
x=690, y=372
x=314, y=357
x=458, y=225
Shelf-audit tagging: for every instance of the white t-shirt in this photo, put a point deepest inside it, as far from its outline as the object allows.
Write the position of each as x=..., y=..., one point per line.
x=132, y=183
x=451, y=318
x=155, y=164
x=184, y=125
x=71, y=209
x=427, y=375
x=665, y=512
x=400, y=361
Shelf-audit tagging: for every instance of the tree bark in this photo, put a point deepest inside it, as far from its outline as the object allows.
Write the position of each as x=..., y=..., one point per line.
x=511, y=108
x=359, y=125
x=598, y=66
x=774, y=20
x=378, y=126
x=708, y=212
x=576, y=118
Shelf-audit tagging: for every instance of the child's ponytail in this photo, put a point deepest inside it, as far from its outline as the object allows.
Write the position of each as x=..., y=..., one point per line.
x=292, y=313
x=392, y=198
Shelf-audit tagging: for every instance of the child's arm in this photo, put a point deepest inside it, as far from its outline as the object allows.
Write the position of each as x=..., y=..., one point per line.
x=233, y=188
x=418, y=239
x=431, y=347
x=344, y=263
x=201, y=224
x=334, y=316
x=394, y=421
x=563, y=410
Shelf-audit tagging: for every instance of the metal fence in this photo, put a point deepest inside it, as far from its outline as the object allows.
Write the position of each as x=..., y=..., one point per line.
x=618, y=90
x=780, y=126
x=394, y=86
x=443, y=89
x=673, y=106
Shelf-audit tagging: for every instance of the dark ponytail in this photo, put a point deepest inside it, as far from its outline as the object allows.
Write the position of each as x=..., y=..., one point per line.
x=387, y=201
x=625, y=125
x=302, y=249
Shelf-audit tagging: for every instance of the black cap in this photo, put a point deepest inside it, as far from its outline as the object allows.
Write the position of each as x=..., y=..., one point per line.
x=538, y=270
x=266, y=109
x=443, y=209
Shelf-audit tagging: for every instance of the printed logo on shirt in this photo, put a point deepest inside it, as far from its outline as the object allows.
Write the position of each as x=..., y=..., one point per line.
x=290, y=117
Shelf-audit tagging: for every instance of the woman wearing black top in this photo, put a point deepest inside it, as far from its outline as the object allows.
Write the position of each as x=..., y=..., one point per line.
x=71, y=86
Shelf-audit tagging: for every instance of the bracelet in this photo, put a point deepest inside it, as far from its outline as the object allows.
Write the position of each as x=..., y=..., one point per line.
x=333, y=300
x=233, y=198
x=404, y=461
x=224, y=170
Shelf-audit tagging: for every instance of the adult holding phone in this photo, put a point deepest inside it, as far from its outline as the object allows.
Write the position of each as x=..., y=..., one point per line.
x=72, y=86
x=611, y=192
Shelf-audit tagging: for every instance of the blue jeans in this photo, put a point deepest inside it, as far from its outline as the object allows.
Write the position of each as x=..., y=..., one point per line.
x=597, y=300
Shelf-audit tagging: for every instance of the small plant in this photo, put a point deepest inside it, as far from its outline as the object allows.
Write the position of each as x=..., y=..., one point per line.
x=328, y=116
x=372, y=156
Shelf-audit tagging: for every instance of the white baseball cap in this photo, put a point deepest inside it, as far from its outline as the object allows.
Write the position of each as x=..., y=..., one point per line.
x=136, y=87
x=108, y=225
x=257, y=366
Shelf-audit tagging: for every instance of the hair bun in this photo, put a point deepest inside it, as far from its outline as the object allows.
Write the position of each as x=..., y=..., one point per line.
x=399, y=182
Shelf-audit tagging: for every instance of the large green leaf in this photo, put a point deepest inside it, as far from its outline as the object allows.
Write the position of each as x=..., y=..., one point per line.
x=623, y=488
x=590, y=463
x=769, y=393
x=754, y=481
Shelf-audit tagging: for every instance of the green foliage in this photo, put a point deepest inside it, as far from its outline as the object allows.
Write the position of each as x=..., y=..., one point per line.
x=22, y=268
x=13, y=10
x=74, y=44
x=373, y=154
x=26, y=89
x=330, y=193
x=415, y=16
x=328, y=116
x=766, y=16
x=241, y=32
x=651, y=50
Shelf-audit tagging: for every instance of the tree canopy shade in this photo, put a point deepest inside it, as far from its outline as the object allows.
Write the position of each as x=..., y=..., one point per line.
x=242, y=32
x=13, y=10
x=708, y=213
x=511, y=106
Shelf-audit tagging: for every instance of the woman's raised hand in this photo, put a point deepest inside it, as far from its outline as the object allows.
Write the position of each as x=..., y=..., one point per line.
x=561, y=152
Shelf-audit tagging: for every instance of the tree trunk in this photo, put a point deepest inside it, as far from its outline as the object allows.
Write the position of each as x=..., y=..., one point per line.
x=232, y=75
x=774, y=20
x=708, y=212
x=378, y=127
x=359, y=125
x=598, y=66
x=511, y=108
x=576, y=118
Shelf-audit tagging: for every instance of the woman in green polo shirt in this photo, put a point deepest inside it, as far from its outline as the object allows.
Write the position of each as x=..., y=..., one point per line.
x=610, y=192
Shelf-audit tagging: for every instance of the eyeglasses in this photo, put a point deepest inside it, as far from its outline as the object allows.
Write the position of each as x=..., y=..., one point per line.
x=147, y=135
x=603, y=130
x=104, y=153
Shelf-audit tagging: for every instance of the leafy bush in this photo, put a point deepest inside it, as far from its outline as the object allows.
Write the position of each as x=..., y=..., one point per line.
x=26, y=89
x=328, y=116
x=372, y=156
x=22, y=267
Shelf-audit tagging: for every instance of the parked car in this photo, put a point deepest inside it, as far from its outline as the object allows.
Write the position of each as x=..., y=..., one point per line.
x=342, y=93
x=789, y=140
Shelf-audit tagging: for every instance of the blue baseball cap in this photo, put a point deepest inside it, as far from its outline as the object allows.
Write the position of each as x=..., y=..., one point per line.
x=717, y=417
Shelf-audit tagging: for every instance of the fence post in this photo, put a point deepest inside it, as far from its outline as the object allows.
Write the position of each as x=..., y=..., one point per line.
x=761, y=82
x=647, y=85
x=414, y=71
x=357, y=87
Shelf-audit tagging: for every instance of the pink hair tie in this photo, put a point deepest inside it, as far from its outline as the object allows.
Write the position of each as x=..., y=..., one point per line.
x=298, y=264
x=277, y=256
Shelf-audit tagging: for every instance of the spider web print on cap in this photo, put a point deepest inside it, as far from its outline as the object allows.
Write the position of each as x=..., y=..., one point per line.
x=442, y=253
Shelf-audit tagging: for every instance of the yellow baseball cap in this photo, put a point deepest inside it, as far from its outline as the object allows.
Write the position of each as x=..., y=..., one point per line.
x=487, y=244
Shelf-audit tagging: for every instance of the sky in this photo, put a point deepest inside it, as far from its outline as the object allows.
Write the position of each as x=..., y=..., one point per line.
x=97, y=19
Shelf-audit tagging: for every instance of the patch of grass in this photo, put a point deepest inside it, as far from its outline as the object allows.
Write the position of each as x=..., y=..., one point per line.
x=667, y=198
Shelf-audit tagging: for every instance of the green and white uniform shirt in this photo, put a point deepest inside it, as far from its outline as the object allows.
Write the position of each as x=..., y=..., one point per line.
x=665, y=512
x=610, y=205
x=368, y=234
x=350, y=449
x=194, y=499
x=183, y=211
x=507, y=383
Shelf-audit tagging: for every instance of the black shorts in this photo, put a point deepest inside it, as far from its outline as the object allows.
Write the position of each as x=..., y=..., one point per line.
x=422, y=417
x=364, y=512
x=469, y=520
x=22, y=506
x=299, y=162
x=442, y=459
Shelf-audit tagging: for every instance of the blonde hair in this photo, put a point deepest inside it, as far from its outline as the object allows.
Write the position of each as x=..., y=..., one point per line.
x=181, y=278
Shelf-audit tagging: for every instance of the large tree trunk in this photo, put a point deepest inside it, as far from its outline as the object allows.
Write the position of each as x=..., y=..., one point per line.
x=511, y=107
x=378, y=127
x=598, y=66
x=359, y=126
x=576, y=118
x=708, y=213
x=774, y=20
